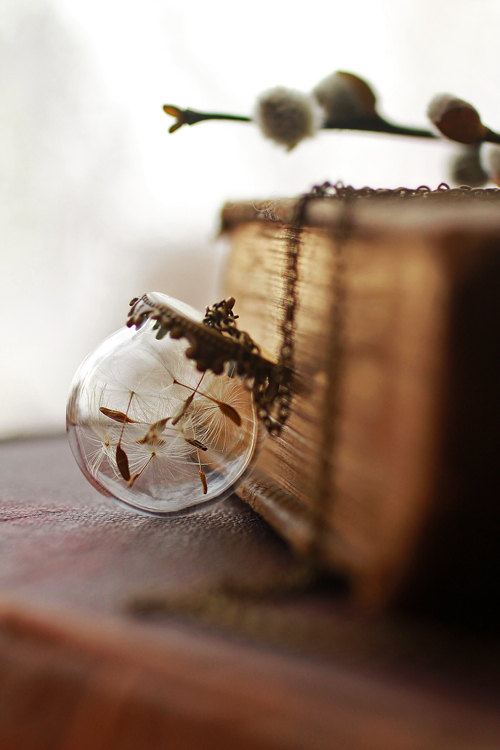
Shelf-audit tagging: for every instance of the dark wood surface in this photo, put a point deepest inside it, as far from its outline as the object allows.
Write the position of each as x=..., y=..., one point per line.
x=79, y=668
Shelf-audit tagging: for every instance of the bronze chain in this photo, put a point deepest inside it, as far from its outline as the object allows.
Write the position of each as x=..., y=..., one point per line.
x=272, y=384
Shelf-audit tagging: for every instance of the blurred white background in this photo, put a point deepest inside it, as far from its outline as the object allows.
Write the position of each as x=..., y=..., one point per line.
x=99, y=204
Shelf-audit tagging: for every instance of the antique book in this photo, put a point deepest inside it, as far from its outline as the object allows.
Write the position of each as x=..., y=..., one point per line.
x=387, y=467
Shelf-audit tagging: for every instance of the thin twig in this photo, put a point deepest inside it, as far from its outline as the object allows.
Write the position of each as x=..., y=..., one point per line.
x=373, y=124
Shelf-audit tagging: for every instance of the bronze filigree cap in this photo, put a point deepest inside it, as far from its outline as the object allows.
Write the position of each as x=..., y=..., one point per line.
x=216, y=344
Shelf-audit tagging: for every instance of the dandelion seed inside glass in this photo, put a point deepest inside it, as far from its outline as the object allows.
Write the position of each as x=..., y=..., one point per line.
x=148, y=428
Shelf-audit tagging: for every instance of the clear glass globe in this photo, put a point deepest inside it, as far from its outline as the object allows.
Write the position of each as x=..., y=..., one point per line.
x=148, y=428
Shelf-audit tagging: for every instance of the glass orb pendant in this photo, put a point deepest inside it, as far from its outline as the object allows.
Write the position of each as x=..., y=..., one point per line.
x=155, y=429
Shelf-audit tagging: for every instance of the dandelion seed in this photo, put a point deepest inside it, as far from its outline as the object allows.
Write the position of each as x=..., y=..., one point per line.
x=101, y=439
x=126, y=415
x=136, y=476
x=202, y=475
x=183, y=410
x=122, y=462
x=188, y=401
x=117, y=416
x=164, y=458
x=229, y=412
x=225, y=408
x=196, y=443
x=203, y=479
x=154, y=432
x=213, y=425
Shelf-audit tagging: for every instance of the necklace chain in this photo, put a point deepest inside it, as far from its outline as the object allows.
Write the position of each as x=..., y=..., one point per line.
x=272, y=384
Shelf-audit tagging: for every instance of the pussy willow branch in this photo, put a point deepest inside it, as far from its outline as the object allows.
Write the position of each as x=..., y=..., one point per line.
x=192, y=116
x=374, y=124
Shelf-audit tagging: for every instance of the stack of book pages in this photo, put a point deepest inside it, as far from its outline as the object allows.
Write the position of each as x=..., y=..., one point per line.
x=387, y=470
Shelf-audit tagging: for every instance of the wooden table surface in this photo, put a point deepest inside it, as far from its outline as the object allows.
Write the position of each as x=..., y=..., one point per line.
x=81, y=668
